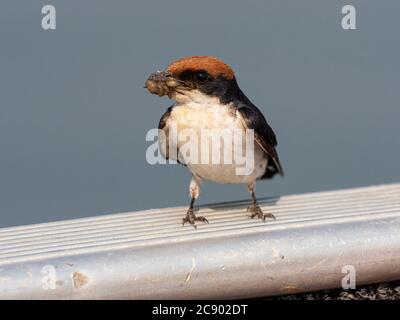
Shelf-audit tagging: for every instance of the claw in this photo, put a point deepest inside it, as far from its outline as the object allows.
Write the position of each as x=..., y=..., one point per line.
x=257, y=212
x=191, y=218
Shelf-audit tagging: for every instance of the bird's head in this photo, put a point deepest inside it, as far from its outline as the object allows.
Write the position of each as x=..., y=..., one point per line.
x=195, y=78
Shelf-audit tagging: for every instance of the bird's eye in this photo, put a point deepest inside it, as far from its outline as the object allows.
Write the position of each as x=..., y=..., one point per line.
x=201, y=76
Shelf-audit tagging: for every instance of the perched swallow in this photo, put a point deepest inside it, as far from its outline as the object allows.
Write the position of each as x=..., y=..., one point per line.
x=207, y=96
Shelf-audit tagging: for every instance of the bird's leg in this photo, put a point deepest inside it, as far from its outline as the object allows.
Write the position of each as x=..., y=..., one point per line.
x=194, y=193
x=254, y=208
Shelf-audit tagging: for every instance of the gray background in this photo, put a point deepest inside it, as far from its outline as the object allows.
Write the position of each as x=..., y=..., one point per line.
x=74, y=114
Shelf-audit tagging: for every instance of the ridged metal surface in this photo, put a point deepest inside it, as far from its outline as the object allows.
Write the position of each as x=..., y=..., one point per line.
x=149, y=254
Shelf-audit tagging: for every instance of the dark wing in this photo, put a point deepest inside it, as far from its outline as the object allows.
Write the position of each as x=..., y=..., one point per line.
x=163, y=125
x=164, y=144
x=164, y=119
x=263, y=135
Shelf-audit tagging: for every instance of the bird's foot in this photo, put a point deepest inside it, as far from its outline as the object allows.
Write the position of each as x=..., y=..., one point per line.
x=191, y=218
x=255, y=211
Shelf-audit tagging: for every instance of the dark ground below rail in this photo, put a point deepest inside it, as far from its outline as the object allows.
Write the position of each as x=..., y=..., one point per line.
x=381, y=291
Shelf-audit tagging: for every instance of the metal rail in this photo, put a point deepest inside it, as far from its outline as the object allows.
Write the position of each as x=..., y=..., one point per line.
x=149, y=254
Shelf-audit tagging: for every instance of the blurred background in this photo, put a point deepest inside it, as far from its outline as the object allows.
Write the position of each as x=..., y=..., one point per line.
x=74, y=113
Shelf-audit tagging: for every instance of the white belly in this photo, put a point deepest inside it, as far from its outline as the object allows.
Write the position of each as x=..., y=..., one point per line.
x=196, y=121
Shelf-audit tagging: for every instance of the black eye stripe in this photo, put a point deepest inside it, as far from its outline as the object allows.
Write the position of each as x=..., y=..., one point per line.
x=198, y=76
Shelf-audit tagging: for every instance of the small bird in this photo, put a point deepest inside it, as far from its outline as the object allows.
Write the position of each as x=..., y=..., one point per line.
x=207, y=96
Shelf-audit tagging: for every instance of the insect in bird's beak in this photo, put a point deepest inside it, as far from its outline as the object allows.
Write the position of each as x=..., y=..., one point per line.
x=162, y=83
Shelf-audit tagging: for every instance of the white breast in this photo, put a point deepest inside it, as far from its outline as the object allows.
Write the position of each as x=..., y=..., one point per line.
x=195, y=116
